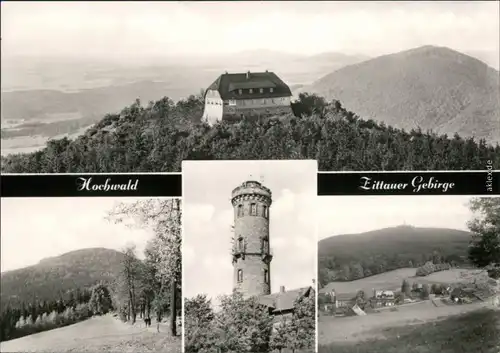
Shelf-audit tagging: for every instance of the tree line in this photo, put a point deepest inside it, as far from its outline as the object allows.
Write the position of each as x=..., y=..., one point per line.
x=159, y=136
x=244, y=325
x=28, y=318
x=430, y=267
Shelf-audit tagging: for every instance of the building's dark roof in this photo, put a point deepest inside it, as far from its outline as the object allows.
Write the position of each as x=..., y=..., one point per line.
x=228, y=85
x=329, y=289
x=345, y=297
x=284, y=301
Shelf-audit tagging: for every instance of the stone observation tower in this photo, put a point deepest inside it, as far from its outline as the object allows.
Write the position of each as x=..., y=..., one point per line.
x=251, y=252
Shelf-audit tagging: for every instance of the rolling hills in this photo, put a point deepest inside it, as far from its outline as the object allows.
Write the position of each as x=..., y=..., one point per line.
x=434, y=88
x=54, y=276
x=354, y=256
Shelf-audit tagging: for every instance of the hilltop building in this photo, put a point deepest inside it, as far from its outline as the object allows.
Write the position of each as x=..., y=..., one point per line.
x=251, y=94
x=251, y=252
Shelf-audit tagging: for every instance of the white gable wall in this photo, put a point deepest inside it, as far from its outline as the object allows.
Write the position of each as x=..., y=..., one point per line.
x=213, y=107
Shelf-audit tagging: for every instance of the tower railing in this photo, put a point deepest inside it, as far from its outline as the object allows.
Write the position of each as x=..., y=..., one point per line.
x=267, y=256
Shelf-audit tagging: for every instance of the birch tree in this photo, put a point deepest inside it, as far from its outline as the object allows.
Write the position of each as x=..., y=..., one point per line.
x=163, y=218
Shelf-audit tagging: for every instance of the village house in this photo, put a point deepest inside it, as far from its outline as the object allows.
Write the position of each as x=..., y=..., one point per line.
x=251, y=94
x=344, y=300
x=281, y=304
x=339, y=300
x=382, y=298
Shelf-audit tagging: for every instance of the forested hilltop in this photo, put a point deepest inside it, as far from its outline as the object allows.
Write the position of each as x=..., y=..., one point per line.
x=354, y=256
x=157, y=137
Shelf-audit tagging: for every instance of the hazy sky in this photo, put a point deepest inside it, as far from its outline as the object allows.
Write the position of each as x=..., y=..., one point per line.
x=154, y=28
x=208, y=216
x=36, y=228
x=355, y=214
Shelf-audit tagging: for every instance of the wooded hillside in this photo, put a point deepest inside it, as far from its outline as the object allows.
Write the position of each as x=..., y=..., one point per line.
x=157, y=137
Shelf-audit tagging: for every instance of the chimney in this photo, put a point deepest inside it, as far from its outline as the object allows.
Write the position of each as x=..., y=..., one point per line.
x=282, y=289
x=248, y=75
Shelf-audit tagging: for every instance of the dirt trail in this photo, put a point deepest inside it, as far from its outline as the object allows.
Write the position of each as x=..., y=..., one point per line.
x=358, y=328
x=99, y=334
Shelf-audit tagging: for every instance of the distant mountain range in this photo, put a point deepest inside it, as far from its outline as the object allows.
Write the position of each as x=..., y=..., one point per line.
x=434, y=88
x=56, y=275
x=429, y=87
x=354, y=256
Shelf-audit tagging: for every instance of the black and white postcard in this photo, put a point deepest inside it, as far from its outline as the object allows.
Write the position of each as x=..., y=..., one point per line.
x=408, y=274
x=90, y=274
x=108, y=86
x=249, y=256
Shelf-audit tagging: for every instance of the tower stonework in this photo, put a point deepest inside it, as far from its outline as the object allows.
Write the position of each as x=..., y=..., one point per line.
x=251, y=252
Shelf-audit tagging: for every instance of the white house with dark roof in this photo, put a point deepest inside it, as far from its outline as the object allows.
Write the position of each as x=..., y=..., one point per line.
x=251, y=94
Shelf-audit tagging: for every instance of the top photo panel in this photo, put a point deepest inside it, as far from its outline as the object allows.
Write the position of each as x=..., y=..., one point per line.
x=111, y=87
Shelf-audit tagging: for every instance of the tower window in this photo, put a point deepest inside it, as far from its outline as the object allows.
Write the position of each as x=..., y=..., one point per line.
x=264, y=211
x=253, y=209
x=240, y=210
x=265, y=245
x=266, y=276
x=240, y=275
x=240, y=244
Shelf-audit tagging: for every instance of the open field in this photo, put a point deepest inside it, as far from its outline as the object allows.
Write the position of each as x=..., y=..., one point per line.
x=392, y=280
x=388, y=280
x=455, y=275
x=361, y=328
x=473, y=331
x=99, y=334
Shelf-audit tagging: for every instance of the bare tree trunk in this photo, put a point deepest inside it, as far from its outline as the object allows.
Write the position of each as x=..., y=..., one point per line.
x=173, y=309
x=132, y=293
x=132, y=306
